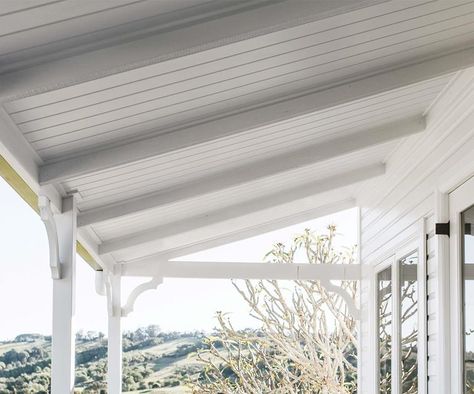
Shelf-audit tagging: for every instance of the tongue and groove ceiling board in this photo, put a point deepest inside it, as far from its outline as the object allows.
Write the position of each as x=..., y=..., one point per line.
x=188, y=89
x=127, y=102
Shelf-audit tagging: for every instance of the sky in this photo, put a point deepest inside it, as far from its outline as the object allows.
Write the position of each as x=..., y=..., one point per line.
x=177, y=304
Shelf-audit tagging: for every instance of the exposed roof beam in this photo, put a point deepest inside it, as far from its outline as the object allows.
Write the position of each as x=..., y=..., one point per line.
x=232, y=235
x=257, y=170
x=316, y=100
x=138, y=30
x=157, y=234
x=253, y=270
x=157, y=39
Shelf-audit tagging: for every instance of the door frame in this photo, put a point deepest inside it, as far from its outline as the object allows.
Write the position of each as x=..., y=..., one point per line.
x=460, y=199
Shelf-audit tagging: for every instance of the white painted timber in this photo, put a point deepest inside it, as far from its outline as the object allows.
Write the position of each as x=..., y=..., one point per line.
x=420, y=173
x=47, y=217
x=174, y=169
x=31, y=35
x=232, y=212
x=143, y=33
x=24, y=159
x=63, y=334
x=305, y=102
x=443, y=370
x=252, y=270
x=459, y=200
x=152, y=284
x=269, y=167
x=206, y=238
x=114, y=341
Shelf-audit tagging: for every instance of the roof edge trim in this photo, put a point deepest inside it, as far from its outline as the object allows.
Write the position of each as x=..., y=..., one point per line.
x=22, y=188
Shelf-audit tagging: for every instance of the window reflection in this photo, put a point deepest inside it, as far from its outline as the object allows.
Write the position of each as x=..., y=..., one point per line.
x=468, y=298
x=385, y=330
x=409, y=324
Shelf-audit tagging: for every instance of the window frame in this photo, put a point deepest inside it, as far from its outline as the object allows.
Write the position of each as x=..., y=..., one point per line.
x=463, y=277
x=417, y=245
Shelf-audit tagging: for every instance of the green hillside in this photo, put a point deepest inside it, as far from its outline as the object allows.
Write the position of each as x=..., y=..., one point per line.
x=154, y=362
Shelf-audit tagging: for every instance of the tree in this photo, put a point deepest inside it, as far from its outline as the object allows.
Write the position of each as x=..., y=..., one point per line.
x=307, y=341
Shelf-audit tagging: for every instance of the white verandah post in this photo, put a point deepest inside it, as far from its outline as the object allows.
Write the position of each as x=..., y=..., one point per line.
x=63, y=335
x=114, y=351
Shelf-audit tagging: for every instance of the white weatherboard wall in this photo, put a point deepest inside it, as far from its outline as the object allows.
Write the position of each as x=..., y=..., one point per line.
x=401, y=208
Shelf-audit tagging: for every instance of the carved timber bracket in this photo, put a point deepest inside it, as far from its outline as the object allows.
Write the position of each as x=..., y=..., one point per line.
x=49, y=221
x=353, y=310
x=107, y=284
x=150, y=285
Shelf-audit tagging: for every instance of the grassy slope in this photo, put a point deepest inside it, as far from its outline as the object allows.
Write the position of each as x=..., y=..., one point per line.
x=163, y=367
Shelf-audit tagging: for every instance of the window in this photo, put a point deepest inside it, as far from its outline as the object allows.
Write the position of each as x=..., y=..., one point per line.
x=398, y=318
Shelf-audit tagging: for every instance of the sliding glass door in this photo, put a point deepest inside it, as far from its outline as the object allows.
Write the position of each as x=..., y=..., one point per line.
x=467, y=242
x=461, y=264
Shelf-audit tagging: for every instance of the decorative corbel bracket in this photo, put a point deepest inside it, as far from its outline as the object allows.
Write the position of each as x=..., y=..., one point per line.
x=107, y=284
x=351, y=305
x=150, y=285
x=100, y=287
x=47, y=217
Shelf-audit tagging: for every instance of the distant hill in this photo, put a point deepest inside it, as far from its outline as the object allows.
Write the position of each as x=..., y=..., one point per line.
x=154, y=362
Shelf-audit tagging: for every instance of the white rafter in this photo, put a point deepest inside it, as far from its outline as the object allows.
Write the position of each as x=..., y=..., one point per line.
x=306, y=102
x=203, y=28
x=247, y=208
x=231, y=231
x=258, y=170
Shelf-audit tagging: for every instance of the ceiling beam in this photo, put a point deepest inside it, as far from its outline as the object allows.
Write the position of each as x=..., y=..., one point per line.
x=139, y=30
x=251, y=270
x=258, y=170
x=202, y=240
x=158, y=234
x=312, y=101
x=157, y=39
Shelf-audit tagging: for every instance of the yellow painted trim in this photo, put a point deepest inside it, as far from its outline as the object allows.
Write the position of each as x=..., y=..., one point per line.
x=18, y=184
x=86, y=256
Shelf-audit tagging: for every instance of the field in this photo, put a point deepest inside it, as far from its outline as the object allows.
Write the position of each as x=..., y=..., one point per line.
x=154, y=362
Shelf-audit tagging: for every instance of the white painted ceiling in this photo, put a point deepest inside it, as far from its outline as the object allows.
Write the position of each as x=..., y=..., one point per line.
x=231, y=94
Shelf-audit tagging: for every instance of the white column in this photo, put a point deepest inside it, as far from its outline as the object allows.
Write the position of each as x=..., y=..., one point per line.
x=63, y=346
x=114, y=356
x=443, y=292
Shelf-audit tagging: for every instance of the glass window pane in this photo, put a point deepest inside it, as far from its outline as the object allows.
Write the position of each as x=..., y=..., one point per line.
x=409, y=323
x=385, y=329
x=468, y=291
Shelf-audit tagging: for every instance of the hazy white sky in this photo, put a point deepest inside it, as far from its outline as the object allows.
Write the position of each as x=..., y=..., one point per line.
x=177, y=304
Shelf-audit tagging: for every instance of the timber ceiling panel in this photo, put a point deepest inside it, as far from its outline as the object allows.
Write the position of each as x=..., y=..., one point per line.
x=53, y=28
x=263, y=188
x=171, y=170
x=185, y=124
x=190, y=89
